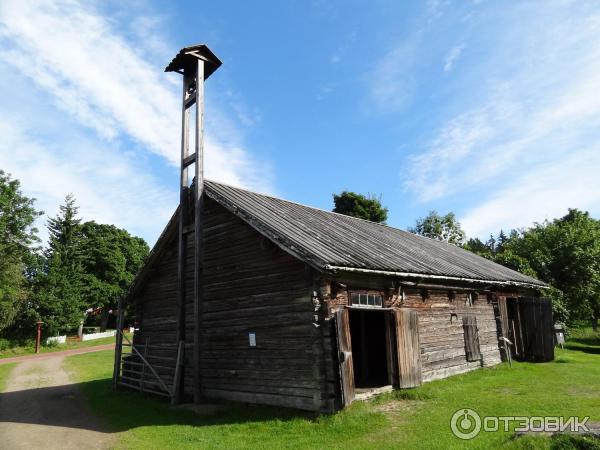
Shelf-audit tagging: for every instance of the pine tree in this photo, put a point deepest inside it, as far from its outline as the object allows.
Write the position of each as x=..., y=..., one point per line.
x=502, y=240
x=59, y=301
x=65, y=235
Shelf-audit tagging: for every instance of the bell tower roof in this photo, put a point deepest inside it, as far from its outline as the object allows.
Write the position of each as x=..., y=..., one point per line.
x=187, y=57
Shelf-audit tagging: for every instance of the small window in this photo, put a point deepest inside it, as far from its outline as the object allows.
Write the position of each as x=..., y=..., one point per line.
x=365, y=299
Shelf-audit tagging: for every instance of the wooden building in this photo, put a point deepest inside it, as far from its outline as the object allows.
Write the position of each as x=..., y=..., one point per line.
x=307, y=308
x=251, y=298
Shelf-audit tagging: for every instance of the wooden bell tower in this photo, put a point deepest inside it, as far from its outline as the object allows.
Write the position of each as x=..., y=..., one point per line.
x=196, y=64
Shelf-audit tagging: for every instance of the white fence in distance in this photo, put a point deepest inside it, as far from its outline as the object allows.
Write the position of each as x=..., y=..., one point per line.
x=57, y=339
x=92, y=336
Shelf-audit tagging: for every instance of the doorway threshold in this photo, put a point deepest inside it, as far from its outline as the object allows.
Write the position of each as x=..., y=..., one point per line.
x=367, y=393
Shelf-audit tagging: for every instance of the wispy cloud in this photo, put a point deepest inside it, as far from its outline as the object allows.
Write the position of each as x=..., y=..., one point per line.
x=392, y=82
x=452, y=56
x=110, y=186
x=100, y=75
x=523, y=145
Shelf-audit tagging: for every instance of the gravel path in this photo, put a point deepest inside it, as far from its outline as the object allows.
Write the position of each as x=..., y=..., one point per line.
x=42, y=408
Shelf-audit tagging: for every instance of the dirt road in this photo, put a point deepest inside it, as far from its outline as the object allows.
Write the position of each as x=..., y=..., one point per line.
x=75, y=351
x=42, y=408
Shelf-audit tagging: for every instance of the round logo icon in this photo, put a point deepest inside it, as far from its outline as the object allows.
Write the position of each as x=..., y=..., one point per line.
x=465, y=424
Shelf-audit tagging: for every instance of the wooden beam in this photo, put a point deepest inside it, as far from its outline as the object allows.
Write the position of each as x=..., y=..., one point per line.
x=183, y=219
x=189, y=160
x=118, y=344
x=198, y=248
x=189, y=101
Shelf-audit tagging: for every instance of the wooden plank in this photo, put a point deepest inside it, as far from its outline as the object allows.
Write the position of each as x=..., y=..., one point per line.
x=471, y=336
x=177, y=392
x=344, y=345
x=118, y=344
x=391, y=348
x=408, y=348
x=199, y=231
x=188, y=160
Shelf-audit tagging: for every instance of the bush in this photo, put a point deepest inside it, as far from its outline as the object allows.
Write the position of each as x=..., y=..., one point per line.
x=5, y=344
x=50, y=344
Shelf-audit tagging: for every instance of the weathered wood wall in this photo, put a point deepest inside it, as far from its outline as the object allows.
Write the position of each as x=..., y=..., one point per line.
x=251, y=285
x=156, y=313
x=441, y=312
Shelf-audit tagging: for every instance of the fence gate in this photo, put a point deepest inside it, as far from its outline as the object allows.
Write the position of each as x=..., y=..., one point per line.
x=137, y=368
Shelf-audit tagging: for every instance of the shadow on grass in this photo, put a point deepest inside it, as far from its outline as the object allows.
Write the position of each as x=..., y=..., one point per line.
x=122, y=410
x=586, y=345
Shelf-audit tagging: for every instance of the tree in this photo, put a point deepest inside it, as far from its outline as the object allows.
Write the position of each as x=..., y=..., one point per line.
x=478, y=247
x=565, y=253
x=357, y=205
x=58, y=299
x=17, y=236
x=112, y=258
x=442, y=228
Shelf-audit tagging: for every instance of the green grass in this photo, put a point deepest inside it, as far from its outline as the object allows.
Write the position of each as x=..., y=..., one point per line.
x=5, y=370
x=417, y=418
x=29, y=348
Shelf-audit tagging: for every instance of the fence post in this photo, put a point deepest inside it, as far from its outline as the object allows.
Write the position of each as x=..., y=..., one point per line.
x=118, y=344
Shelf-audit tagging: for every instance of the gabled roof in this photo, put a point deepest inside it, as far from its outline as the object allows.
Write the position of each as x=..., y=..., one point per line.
x=332, y=242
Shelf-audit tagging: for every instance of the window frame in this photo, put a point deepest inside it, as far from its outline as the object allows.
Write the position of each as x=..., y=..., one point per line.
x=367, y=294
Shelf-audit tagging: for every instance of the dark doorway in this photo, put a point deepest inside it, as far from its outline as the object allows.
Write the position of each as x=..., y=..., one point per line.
x=368, y=335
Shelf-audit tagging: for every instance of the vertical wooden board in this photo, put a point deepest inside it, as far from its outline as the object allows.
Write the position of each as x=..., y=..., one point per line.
x=344, y=344
x=391, y=348
x=503, y=317
x=408, y=348
x=472, y=350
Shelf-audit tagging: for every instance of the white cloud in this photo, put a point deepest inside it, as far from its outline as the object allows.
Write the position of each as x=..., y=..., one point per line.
x=92, y=79
x=452, y=56
x=94, y=74
x=109, y=186
x=523, y=148
x=544, y=193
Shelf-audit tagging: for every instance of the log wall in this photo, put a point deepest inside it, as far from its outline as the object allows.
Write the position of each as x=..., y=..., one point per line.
x=440, y=314
x=252, y=286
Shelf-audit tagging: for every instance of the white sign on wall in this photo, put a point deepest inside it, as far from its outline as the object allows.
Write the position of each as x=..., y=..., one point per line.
x=252, y=339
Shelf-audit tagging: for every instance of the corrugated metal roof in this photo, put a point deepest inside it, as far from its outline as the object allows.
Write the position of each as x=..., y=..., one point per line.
x=325, y=239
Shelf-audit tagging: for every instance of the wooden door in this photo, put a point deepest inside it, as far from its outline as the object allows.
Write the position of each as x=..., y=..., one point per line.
x=408, y=348
x=471, y=332
x=344, y=345
x=537, y=329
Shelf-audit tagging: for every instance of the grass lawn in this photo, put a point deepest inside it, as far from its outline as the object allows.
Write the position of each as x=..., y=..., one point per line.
x=4, y=372
x=30, y=349
x=412, y=419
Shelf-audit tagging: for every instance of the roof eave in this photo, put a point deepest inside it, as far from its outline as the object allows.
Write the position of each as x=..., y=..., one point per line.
x=411, y=275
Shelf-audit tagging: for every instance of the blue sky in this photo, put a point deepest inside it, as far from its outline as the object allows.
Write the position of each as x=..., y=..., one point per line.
x=488, y=109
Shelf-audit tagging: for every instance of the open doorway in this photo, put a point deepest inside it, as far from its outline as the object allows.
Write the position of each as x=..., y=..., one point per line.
x=368, y=335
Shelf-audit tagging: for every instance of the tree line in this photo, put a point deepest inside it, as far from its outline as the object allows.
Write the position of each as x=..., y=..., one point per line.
x=83, y=269
x=564, y=252
x=77, y=277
